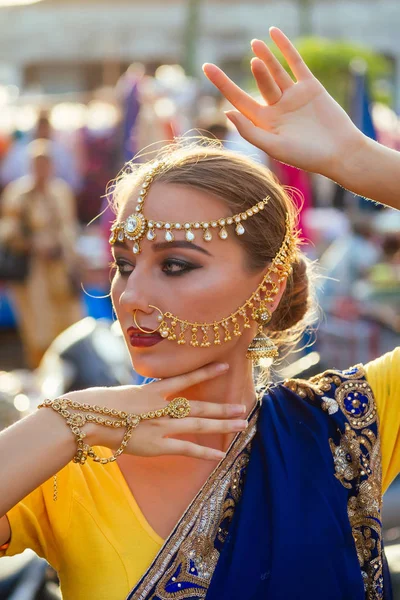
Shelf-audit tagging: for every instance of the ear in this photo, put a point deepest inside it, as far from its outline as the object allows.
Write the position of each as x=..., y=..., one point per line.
x=281, y=290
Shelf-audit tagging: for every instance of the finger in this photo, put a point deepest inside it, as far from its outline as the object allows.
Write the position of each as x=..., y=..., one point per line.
x=183, y=448
x=232, y=92
x=293, y=58
x=204, y=426
x=212, y=410
x=265, y=82
x=258, y=137
x=172, y=385
x=280, y=75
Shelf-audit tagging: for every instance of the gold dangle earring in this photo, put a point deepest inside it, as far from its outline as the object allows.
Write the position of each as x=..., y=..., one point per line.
x=262, y=346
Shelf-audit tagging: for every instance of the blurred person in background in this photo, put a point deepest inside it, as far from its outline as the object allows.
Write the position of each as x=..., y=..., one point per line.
x=16, y=162
x=38, y=216
x=385, y=275
x=127, y=90
x=347, y=260
x=379, y=294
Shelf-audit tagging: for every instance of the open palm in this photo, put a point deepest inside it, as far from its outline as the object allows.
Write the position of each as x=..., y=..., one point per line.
x=300, y=123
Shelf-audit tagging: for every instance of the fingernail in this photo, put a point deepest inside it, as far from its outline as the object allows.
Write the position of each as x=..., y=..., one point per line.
x=231, y=115
x=218, y=454
x=208, y=66
x=222, y=367
x=238, y=409
x=239, y=425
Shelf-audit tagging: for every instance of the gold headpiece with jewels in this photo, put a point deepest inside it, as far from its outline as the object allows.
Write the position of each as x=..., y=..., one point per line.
x=136, y=226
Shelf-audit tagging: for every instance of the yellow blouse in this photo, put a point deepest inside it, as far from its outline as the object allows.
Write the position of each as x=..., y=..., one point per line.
x=95, y=534
x=383, y=375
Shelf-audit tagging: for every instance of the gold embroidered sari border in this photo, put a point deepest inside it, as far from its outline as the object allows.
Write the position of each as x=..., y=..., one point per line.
x=188, y=519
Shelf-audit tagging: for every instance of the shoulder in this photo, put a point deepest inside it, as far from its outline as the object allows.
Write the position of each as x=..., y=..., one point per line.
x=61, y=186
x=383, y=368
x=319, y=384
x=14, y=190
x=335, y=391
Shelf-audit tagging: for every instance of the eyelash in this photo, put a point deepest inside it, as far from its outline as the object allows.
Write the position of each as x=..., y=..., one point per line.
x=185, y=267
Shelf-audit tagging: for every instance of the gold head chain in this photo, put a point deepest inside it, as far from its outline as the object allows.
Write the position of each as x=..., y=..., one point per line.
x=256, y=307
x=136, y=226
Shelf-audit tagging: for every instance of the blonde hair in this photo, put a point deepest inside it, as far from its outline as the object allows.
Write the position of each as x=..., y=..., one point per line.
x=240, y=183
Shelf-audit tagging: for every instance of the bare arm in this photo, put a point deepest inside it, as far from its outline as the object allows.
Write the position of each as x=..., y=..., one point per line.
x=41, y=444
x=302, y=125
x=373, y=172
x=36, y=448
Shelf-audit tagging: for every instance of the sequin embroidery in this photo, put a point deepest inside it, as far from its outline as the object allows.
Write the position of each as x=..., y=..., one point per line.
x=185, y=564
x=347, y=397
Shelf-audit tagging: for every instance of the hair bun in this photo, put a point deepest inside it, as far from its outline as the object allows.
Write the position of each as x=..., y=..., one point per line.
x=295, y=301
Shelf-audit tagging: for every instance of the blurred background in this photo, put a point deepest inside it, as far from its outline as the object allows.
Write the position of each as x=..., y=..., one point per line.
x=84, y=87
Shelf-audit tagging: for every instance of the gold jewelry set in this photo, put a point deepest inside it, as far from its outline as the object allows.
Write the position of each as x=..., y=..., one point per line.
x=136, y=226
x=178, y=408
x=203, y=334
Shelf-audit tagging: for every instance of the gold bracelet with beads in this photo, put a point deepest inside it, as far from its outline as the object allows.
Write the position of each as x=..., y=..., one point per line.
x=177, y=408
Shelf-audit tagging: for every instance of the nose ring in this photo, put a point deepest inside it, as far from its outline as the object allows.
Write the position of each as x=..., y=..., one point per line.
x=160, y=319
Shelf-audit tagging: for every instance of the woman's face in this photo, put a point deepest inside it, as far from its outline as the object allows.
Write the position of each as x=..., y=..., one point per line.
x=196, y=281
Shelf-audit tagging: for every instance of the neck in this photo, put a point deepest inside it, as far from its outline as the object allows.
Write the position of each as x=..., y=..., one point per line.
x=234, y=387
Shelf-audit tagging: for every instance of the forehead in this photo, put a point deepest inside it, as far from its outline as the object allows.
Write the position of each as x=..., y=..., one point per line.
x=176, y=203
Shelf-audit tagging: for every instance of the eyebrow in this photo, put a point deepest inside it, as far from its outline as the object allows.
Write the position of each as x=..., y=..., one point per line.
x=179, y=244
x=158, y=246
x=118, y=244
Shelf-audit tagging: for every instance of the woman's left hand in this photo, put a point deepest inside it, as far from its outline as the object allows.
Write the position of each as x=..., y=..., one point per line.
x=300, y=124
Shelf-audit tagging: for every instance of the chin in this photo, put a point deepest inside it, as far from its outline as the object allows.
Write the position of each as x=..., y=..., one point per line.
x=172, y=361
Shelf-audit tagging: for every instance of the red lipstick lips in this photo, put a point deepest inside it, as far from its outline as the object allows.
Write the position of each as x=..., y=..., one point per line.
x=139, y=339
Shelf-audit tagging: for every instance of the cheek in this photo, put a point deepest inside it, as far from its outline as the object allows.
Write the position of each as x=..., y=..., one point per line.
x=209, y=297
x=115, y=292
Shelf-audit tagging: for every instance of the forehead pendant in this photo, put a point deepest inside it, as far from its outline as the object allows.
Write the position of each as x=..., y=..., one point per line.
x=136, y=226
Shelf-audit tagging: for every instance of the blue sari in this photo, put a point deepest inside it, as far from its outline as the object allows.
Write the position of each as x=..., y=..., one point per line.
x=293, y=511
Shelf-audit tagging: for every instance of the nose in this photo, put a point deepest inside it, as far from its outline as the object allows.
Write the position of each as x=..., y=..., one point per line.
x=135, y=296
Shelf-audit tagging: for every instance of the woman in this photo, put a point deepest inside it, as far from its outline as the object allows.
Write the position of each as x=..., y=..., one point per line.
x=239, y=498
x=38, y=216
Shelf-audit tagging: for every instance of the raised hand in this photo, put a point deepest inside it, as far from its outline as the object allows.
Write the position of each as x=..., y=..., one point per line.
x=155, y=437
x=300, y=123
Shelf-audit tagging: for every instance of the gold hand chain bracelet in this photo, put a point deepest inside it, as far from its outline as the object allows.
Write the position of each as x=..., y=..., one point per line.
x=177, y=409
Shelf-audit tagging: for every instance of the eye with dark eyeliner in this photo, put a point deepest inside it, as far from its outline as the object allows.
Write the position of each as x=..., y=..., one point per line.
x=123, y=267
x=174, y=267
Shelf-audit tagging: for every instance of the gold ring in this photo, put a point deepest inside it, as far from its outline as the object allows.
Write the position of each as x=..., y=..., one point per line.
x=160, y=318
x=178, y=408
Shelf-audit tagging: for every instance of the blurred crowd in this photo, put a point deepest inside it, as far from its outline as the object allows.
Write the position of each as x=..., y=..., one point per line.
x=57, y=157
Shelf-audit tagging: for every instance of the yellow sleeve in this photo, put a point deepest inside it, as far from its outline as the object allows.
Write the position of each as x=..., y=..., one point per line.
x=37, y=521
x=383, y=375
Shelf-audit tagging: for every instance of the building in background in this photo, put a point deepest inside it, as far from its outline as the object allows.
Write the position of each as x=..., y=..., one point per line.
x=57, y=46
